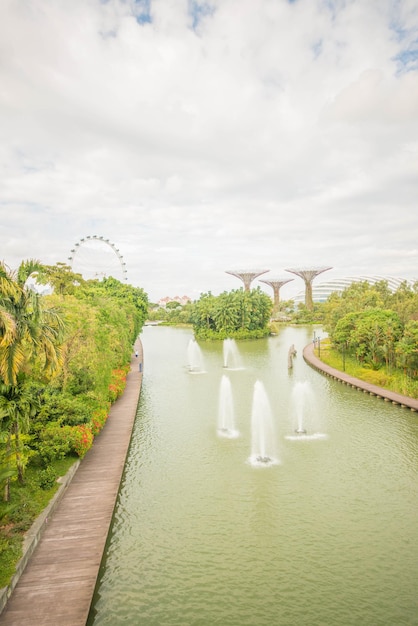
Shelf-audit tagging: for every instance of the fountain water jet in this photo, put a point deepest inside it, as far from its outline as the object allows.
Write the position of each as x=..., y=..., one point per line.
x=226, y=418
x=303, y=412
x=195, y=358
x=232, y=358
x=263, y=438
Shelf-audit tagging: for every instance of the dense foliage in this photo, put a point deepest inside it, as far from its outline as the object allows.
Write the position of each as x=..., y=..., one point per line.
x=377, y=327
x=63, y=360
x=236, y=314
x=172, y=314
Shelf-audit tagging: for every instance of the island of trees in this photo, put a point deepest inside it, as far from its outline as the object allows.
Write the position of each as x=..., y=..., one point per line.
x=372, y=331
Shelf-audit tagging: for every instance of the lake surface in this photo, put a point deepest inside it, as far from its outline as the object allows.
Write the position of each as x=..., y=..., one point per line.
x=326, y=534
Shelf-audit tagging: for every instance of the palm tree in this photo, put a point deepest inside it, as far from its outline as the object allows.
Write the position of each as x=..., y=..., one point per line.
x=29, y=334
x=226, y=313
x=17, y=406
x=27, y=329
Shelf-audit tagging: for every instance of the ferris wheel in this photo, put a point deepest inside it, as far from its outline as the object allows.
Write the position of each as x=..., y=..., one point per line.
x=95, y=257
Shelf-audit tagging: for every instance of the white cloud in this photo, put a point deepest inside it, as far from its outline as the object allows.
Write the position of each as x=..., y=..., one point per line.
x=259, y=132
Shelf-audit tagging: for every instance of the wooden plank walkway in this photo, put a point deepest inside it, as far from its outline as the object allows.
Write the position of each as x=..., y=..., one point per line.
x=57, y=586
x=389, y=396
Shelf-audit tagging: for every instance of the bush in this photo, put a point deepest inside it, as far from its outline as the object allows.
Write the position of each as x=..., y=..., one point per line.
x=81, y=438
x=98, y=420
x=47, y=477
x=61, y=407
x=117, y=383
x=207, y=334
x=54, y=442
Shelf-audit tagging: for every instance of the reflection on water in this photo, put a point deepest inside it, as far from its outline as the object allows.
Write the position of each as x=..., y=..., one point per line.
x=327, y=537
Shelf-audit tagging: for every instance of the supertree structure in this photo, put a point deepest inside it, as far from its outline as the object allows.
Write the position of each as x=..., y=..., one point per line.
x=276, y=284
x=308, y=275
x=247, y=276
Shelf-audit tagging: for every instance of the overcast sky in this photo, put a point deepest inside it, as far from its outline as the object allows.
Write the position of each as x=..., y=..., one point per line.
x=203, y=136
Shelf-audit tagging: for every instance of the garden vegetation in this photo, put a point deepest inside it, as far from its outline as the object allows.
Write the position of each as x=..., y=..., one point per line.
x=373, y=334
x=64, y=358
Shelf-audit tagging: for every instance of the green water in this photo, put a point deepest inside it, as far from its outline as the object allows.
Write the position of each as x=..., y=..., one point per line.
x=328, y=536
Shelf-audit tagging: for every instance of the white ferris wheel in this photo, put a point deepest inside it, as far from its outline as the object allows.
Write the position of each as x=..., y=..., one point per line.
x=95, y=257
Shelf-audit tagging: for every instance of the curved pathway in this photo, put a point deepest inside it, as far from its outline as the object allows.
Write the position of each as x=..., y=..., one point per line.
x=389, y=396
x=57, y=585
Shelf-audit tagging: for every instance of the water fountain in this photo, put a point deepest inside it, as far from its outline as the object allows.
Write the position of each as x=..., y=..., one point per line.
x=195, y=358
x=263, y=437
x=232, y=358
x=201, y=536
x=226, y=417
x=303, y=412
x=299, y=395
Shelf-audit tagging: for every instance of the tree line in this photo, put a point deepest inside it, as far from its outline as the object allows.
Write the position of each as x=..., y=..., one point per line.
x=63, y=360
x=234, y=314
x=375, y=326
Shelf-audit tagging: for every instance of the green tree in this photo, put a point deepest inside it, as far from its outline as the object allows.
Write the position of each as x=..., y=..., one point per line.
x=404, y=301
x=358, y=297
x=407, y=349
x=28, y=329
x=17, y=407
x=227, y=313
x=30, y=337
x=372, y=334
x=203, y=313
x=237, y=313
x=61, y=278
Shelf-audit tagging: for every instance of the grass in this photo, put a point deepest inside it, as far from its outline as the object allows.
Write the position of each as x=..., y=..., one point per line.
x=16, y=517
x=394, y=380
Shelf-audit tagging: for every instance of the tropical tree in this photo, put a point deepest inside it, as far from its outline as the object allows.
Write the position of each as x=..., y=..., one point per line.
x=203, y=313
x=28, y=330
x=405, y=302
x=375, y=336
x=344, y=329
x=61, y=278
x=227, y=312
x=17, y=407
x=30, y=336
x=237, y=313
x=407, y=349
x=358, y=297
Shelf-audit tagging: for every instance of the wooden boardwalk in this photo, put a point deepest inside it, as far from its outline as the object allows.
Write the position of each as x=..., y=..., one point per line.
x=57, y=586
x=373, y=390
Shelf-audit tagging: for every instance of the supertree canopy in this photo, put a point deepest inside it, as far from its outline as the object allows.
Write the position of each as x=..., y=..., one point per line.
x=308, y=274
x=247, y=276
x=276, y=284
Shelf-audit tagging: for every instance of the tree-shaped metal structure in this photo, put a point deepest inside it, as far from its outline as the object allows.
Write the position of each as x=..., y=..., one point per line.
x=247, y=276
x=277, y=284
x=308, y=275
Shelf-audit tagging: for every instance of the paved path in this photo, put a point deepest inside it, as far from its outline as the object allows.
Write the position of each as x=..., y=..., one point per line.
x=57, y=585
x=389, y=396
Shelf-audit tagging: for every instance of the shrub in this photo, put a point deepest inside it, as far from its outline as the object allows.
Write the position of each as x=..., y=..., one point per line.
x=54, y=442
x=117, y=383
x=98, y=420
x=47, y=477
x=81, y=439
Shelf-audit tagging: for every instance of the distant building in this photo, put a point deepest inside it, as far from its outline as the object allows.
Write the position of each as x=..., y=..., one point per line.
x=181, y=300
x=322, y=291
